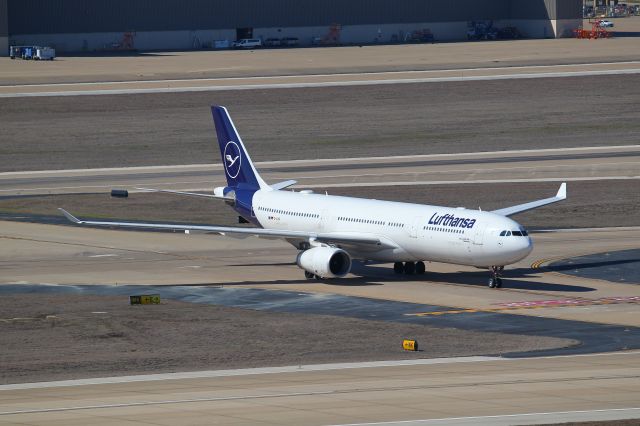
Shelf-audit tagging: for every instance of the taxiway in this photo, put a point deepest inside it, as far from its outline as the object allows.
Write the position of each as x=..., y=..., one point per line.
x=485, y=391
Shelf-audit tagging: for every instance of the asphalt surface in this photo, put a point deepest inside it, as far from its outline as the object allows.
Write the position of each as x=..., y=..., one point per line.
x=437, y=392
x=339, y=122
x=617, y=266
x=592, y=337
x=95, y=332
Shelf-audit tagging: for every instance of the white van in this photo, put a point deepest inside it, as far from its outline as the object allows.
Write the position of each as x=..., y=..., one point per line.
x=247, y=43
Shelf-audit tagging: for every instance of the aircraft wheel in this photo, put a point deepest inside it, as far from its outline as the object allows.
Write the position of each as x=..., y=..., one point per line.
x=492, y=282
x=409, y=268
x=398, y=267
x=420, y=268
x=308, y=275
x=498, y=282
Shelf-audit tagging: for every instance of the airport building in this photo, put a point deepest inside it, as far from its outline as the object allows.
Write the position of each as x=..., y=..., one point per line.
x=96, y=25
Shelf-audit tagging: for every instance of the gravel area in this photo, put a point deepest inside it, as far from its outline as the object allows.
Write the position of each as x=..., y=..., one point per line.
x=404, y=119
x=618, y=207
x=48, y=337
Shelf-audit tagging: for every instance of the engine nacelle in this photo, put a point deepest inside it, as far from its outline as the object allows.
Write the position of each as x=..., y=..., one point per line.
x=326, y=262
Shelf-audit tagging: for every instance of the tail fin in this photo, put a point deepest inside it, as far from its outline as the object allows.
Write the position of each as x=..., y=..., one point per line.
x=238, y=167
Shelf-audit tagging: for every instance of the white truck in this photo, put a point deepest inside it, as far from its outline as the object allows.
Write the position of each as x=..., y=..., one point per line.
x=247, y=43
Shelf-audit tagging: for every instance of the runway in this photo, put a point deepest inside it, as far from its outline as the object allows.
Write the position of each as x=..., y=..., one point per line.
x=543, y=165
x=326, y=80
x=436, y=392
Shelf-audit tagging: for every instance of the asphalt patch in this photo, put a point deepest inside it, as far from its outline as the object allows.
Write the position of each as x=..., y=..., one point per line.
x=617, y=266
x=593, y=337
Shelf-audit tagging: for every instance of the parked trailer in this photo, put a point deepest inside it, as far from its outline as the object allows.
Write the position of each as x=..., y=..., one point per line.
x=32, y=52
x=45, y=54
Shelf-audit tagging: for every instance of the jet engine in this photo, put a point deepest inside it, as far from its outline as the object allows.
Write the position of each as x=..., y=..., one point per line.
x=325, y=262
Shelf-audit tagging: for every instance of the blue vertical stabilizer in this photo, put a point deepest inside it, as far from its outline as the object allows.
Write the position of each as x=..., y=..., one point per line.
x=238, y=168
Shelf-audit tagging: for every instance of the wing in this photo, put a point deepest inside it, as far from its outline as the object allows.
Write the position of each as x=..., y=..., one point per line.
x=561, y=195
x=329, y=238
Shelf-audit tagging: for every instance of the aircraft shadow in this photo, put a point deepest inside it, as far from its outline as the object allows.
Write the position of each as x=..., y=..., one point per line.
x=587, y=265
x=478, y=279
x=372, y=275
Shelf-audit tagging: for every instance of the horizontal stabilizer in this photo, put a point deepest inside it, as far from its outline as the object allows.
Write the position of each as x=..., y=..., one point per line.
x=192, y=194
x=283, y=185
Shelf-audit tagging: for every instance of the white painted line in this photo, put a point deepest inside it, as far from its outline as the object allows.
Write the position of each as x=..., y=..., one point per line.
x=245, y=372
x=165, y=402
x=458, y=182
x=104, y=255
x=349, y=160
x=320, y=84
x=521, y=419
x=607, y=229
x=275, y=77
x=348, y=184
x=287, y=369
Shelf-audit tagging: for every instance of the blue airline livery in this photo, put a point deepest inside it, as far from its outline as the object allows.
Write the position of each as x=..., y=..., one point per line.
x=330, y=231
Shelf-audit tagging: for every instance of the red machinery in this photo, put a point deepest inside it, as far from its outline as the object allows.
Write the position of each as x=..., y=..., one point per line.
x=594, y=33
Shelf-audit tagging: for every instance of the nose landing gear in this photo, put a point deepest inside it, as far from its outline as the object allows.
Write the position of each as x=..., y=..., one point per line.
x=409, y=268
x=496, y=281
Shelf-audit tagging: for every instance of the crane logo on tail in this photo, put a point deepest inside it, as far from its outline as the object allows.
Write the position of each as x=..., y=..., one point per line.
x=232, y=159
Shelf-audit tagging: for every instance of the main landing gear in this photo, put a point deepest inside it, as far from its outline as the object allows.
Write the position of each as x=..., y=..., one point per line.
x=496, y=281
x=409, y=268
x=308, y=275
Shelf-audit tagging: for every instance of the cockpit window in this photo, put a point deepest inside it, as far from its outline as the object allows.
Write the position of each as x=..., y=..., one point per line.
x=508, y=233
x=503, y=233
x=517, y=233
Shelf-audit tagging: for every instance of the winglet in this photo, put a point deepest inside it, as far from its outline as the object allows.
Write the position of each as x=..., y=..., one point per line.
x=69, y=216
x=562, y=192
x=283, y=185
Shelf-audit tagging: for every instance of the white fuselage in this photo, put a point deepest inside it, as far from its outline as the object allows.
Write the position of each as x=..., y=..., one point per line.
x=416, y=232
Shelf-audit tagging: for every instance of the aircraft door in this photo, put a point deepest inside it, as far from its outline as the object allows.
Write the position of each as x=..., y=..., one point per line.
x=325, y=219
x=415, y=227
x=478, y=236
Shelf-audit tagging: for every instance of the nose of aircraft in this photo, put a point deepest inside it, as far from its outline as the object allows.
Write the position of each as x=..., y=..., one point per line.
x=524, y=247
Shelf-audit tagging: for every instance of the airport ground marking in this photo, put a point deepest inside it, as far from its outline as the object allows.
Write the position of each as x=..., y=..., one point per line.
x=557, y=416
x=343, y=74
x=348, y=160
x=328, y=83
x=337, y=391
x=539, y=304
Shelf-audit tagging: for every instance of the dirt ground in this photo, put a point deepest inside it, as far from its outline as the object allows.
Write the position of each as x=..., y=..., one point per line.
x=91, y=336
x=617, y=204
x=386, y=120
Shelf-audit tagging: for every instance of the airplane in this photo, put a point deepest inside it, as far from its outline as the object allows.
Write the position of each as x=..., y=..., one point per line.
x=330, y=231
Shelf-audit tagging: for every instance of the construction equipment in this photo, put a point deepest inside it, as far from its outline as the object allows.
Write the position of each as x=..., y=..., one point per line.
x=420, y=36
x=597, y=31
x=333, y=36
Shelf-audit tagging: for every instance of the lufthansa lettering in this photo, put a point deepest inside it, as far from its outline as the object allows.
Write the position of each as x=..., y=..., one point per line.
x=451, y=220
